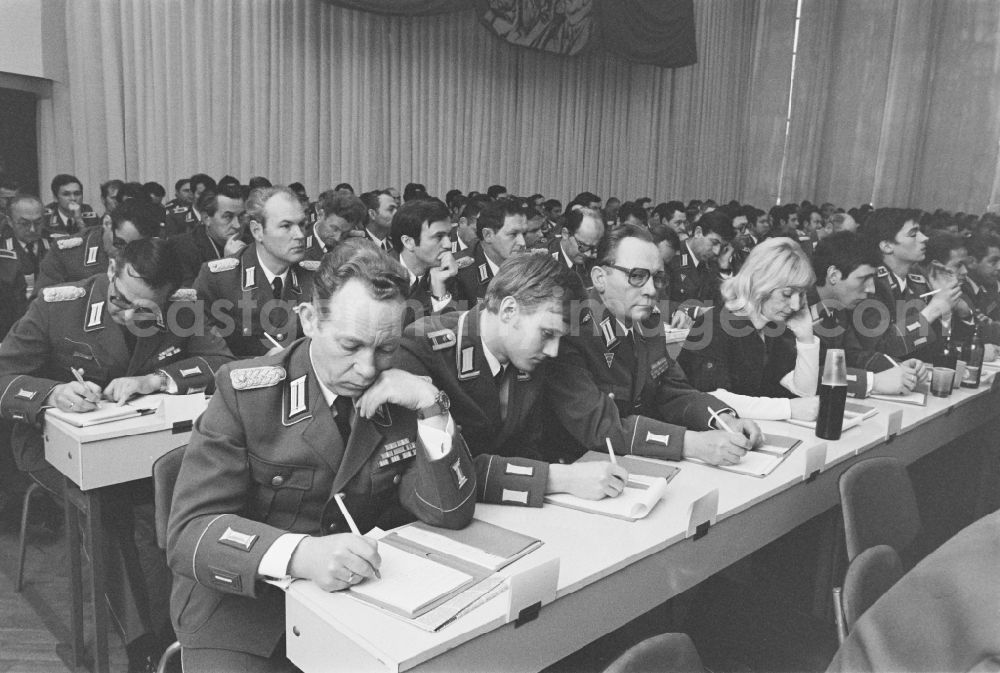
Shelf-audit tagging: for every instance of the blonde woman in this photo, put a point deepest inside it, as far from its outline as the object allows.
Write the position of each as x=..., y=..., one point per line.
x=758, y=353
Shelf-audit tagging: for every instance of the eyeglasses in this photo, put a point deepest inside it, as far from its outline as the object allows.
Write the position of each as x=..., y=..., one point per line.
x=118, y=243
x=122, y=303
x=637, y=277
x=584, y=248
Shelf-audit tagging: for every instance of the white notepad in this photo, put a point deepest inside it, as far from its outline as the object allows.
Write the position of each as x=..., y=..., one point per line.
x=410, y=582
x=636, y=501
x=105, y=412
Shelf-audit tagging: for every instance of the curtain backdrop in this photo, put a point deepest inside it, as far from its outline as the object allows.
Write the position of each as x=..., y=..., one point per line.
x=303, y=90
x=897, y=103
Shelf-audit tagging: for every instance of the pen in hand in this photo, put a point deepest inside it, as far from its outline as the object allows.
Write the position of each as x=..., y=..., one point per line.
x=339, y=497
x=721, y=423
x=611, y=451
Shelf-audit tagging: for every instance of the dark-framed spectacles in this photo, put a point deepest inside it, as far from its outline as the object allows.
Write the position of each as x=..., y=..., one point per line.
x=122, y=303
x=118, y=243
x=637, y=276
x=584, y=248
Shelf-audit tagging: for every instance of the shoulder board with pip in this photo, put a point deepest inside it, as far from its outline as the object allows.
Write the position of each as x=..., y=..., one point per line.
x=68, y=243
x=62, y=293
x=224, y=264
x=184, y=294
x=256, y=377
x=309, y=265
x=442, y=339
x=464, y=262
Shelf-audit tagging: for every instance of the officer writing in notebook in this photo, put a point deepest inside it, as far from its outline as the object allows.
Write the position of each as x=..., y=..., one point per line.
x=612, y=380
x=122, y=335
x=283, y=434
x=492, y=363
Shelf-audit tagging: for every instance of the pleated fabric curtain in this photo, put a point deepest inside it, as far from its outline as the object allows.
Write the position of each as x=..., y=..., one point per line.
x=304, y=90
x=896, y=103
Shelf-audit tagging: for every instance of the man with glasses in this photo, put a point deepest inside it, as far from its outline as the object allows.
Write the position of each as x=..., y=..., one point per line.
x=123, y=336
x=250, y=299
x=577, y=247
x=77, y=257
x=694, y=285
x=500, y=227
x=26, y=243
x=217, y=236
x=614, y=380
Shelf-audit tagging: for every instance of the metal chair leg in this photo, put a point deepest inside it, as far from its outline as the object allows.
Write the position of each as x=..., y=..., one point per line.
x=23, y=540
x=168, y=654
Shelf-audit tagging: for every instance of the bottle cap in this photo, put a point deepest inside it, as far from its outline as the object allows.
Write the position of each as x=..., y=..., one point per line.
x=835, y=368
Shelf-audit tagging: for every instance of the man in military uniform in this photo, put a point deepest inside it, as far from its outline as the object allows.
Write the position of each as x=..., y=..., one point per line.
x=217, y=236
x=898, y=321
x=613, y=381
x=463, y=235
x=845, y=277
x=694, y=284
x=576, y=248
x=183, y=217
x=74, y=258
x=381, y=207
x=338, y=216
x=500, y=227
x=250, y=297
x=182, y=194
x=27, y=219
x=68, y=214
x=113, y=331
x=419, y=237
x=327, y=415
x=491, y=363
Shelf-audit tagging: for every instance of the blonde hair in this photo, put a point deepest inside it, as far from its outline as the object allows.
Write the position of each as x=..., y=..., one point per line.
x=772, y=265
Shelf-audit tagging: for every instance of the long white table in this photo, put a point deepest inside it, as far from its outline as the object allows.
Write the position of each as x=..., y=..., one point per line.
x=613, y=571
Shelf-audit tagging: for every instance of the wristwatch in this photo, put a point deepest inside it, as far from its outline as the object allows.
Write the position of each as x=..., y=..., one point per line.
x=441, y=406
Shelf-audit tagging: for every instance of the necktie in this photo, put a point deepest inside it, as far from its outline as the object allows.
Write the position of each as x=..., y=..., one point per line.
x=31, y=256
x=277, y=285
x=343, y=406
x=503, y=387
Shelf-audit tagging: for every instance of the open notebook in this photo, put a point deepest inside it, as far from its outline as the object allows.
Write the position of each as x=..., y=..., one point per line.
x=917, y=396
x=411, y=584
x=106, y=412
x=640, y=495
x=763, y=460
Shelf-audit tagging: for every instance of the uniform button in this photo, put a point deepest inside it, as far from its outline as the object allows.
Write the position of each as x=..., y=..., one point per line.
x=332, y=528
x=280, y=337
x=611, y=395
x=278, y=480
x=397, y=479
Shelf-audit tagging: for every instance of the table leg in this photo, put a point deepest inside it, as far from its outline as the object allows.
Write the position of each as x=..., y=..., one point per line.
x=74, y=546
x=95, y=532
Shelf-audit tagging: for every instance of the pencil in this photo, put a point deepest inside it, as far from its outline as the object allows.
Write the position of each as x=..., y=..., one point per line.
x=77, y=375
x=611, y=451
x=721, y=423
x=271, y=339
x=339, y=497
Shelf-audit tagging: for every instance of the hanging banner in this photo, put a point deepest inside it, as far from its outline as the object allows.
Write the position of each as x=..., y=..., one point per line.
x=557, y=26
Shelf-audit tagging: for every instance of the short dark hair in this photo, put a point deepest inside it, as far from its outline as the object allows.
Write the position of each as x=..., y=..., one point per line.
x=574, y=218
x=940, y=245
x=371, y=199
x=208, y=202
x=180, y=183
x=664, y=232
x=131, y=190
x=607, y=248
x=472, y=208
x=347, y=206
x=202, y=179
x=843, y=250
x=144, y=215
x=346, y=186
x=298, y=188
x=107, y=186
x=550, y=204
x=885, y=223
x=451, y=194
x=534, y=280
x=806, y=211
x=585, y=198
x=410, y=218
x=154, y=260
x=62, y=180
x=258, y=181
x=717, y=222
x=358, y=259
x=495, y=190
x=413, y=191
x=980, y=244
x=228, y=180
x=155, y=190
x=494, y=213
x=634, y=209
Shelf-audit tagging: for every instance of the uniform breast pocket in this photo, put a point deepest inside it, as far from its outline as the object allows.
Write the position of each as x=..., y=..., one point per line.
x=278, y=490
x=80, y=356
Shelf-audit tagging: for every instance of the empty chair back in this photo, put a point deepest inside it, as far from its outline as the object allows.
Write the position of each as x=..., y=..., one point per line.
x=870, y=575
x=665, y=653
x=879, y=506
x=165, y=471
